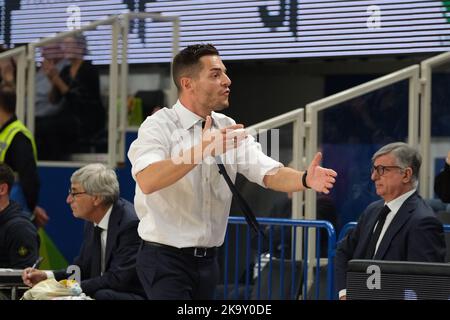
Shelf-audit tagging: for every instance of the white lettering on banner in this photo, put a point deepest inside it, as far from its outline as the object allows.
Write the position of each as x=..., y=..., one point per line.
x=374, y=280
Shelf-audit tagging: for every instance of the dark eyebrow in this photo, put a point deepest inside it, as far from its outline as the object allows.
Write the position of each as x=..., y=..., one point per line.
x=218, y=69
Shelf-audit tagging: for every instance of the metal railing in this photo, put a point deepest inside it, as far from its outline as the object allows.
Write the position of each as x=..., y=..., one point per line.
x=172, y=96
x=312, y=124
x=296, y=117
x=426, y=68
x=117, y=83
x=274, y=286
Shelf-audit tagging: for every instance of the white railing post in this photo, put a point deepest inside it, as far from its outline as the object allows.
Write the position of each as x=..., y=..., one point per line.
x=113, y=91
x=31, y=90
x=125, y=21
x=173, y=92
x=426, y=67
x=21, y=84
x=298, y=163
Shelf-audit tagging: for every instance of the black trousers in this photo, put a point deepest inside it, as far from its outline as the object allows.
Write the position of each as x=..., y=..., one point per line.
x=170, y=274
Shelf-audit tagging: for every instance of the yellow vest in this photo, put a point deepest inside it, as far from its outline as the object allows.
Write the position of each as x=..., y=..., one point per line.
x=8, y=134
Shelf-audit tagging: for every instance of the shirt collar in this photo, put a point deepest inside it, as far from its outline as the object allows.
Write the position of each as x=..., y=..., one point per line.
x=189, y=118
x=105, y=220
x=395, y=204
x=186, y=116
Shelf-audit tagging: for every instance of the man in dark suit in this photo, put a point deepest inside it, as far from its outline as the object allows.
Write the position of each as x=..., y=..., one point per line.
x=401, y=226
x=110, y=242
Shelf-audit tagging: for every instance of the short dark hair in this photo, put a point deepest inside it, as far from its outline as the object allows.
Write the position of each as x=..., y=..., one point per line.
x=186, y=62
x=8, y=98
x=6, y=175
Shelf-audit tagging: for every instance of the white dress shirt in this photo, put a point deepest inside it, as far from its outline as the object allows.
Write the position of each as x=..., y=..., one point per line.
x=394, y=205
x=192, y=212
x=103, y=237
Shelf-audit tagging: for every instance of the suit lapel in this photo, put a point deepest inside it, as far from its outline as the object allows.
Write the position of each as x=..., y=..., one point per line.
x=113, y=230
x=403, y=215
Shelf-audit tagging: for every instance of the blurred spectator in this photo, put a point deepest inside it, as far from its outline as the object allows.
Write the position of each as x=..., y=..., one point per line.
x=18, y=150
x=19, y=241
x=77, y=87
x=442, y=182
x=7, y=70
x=53, y=58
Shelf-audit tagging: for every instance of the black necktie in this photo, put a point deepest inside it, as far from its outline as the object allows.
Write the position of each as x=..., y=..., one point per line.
x=376, y=234
x=248, y=213
x=96, y=265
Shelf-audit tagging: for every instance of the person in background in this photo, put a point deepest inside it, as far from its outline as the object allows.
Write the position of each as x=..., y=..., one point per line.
x=181, y=199
x=8, y=70
x=77, y=88
x=110, y=241
x=53, y=58
x=442, y=182
x=19, y=240
x=18, y=150
x=400, y=226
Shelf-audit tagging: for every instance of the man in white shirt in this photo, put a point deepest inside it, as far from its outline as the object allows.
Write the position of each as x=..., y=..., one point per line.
x=401, y=226
x=181, y=200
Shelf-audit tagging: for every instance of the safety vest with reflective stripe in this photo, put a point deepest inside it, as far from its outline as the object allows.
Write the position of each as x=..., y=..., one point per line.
x=8, y=134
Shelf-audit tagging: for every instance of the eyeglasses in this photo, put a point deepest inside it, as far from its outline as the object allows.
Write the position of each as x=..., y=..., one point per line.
x=382, y=169
x=73, y=194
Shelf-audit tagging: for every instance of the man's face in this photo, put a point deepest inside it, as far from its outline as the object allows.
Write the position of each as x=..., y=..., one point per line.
x=81, y=203
x=394, y=182
x=211, y=85
x=73, y=48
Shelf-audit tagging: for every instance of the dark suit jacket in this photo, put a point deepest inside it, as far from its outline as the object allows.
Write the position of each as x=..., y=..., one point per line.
x=415, y=234
x=122, y=245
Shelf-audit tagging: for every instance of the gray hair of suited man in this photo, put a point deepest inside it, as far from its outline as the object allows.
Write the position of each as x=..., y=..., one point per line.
x=405, y=155
x=98, y=179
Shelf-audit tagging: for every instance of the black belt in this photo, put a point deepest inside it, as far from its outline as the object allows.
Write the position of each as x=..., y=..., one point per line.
x=198, y=252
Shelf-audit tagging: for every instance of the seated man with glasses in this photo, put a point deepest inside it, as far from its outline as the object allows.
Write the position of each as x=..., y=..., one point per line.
x=110, y=241
x=400, y=226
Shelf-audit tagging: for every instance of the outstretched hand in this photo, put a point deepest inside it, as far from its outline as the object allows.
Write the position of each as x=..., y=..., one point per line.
x=318, y=178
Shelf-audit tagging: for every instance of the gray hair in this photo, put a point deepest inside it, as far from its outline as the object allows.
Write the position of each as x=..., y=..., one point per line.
x=97, y=179
x=405, y=155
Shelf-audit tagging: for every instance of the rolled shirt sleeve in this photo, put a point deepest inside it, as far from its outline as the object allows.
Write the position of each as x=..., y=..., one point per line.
x=253, y=163
x=149, y=147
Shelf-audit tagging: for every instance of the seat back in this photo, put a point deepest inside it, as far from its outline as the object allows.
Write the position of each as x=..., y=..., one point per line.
x=444, y=217
x=279, y=280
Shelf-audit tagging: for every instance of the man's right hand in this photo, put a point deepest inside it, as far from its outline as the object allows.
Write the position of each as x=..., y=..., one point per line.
x=217, y=142
x=32, y=276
